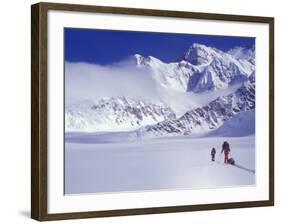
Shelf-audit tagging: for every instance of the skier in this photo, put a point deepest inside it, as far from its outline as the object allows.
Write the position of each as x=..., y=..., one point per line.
x=226, y=150
x=213, y=154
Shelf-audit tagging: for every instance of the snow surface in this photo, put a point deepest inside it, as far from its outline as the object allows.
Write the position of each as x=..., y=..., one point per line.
x=103, y=162
x=241, y=125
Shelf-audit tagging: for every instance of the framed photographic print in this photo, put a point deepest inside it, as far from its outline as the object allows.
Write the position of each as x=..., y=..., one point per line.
x=139, y=111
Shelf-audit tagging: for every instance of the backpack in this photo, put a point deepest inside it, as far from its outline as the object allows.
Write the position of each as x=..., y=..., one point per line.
x=225, y=145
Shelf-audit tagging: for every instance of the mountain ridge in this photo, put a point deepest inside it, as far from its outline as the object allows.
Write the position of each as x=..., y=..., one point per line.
x=215, y=69
x=203, y=71
x=208, y=117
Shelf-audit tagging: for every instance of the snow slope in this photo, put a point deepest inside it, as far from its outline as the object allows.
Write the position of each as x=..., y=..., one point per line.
x=241, y=125
x=111, y=165
x=243, y=53
x=208, y=117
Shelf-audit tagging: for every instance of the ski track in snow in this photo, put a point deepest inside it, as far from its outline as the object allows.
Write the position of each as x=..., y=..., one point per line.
x=112, y=165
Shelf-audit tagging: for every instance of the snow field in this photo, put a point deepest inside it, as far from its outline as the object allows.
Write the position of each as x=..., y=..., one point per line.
x=170, y=163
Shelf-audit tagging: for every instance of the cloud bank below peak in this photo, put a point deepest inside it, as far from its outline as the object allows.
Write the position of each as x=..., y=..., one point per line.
x=84, y=81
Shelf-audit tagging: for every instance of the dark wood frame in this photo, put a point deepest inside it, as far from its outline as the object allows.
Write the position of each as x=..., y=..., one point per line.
x=39, y=110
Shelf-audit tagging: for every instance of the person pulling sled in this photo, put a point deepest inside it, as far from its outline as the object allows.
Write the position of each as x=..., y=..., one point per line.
x=226, y=151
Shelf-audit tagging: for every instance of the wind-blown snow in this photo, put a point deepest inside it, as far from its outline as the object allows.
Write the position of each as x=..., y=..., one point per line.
x=107, y=162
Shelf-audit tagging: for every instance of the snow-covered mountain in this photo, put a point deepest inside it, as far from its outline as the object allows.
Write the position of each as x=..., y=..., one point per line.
x=208, y=117
x=114, y=114
x=241, y=53
x=202, y=69
x=196, y=95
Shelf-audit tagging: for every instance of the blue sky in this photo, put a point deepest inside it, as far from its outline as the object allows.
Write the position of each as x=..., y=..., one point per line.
x=106, y=46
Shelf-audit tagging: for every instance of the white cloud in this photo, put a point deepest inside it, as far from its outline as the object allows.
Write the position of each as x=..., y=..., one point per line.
x=92, y=82
x=85, y=81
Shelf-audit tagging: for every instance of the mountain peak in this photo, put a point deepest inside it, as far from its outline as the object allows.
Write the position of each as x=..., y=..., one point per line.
x=141, y=60
x=199, y=54
x=197, y=45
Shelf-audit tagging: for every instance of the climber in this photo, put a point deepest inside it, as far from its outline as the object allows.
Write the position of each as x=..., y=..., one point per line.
x=226, y=150
x=213, y=154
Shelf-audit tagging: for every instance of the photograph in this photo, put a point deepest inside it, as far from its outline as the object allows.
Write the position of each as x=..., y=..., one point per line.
x=148, y=111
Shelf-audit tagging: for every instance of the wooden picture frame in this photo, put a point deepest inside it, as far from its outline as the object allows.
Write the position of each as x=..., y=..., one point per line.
x=39, y=110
